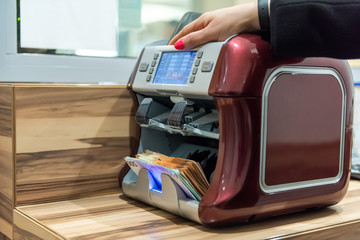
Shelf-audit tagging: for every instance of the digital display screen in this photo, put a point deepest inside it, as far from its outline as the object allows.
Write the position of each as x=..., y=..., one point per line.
x=174, y=68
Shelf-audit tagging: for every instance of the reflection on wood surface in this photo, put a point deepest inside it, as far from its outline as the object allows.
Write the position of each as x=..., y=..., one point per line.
x=6, y=162
x=70, y=141
x=118, y=217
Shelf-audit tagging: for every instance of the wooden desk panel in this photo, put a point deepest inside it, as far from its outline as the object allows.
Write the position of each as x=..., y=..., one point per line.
x=70, y=140
x=118, y=217
x=6, y=163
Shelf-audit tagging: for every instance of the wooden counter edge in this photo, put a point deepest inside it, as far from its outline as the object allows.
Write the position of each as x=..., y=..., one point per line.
x=346, y=230
x=33, y=227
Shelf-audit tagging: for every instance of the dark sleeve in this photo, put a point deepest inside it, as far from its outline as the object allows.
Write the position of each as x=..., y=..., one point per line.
x=324, y=28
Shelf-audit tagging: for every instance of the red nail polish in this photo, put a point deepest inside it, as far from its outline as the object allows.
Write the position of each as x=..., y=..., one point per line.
x=179, y=45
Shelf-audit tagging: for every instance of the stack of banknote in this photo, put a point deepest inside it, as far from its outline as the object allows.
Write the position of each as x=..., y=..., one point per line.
x=187, y=173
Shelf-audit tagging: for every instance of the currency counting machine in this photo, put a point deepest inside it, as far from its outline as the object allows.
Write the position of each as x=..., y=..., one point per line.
x=281, y=128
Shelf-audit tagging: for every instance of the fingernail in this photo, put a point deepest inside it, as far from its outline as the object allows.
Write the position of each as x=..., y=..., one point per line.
x=179, y=45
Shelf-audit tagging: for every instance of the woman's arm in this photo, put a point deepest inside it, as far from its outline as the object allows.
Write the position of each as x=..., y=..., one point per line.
x=326, y=28
x=218, y=26
x=298, y=28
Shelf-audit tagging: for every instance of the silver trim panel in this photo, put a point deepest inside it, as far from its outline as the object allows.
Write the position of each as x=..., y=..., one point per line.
x=303, y=184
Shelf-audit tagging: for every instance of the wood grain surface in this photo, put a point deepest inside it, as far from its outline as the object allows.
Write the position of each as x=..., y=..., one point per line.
x=6, y=161
x=3, y=237
x=70, y=141
x=28, y=229
x=118, y=217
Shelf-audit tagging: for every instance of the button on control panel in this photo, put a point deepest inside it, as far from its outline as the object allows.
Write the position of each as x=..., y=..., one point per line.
x=148, y=78
x=153, y=64
x=143, y=66
x=197, y=62
x=207, y=66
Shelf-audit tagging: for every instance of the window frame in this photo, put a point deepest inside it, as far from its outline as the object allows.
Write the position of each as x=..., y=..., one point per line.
x=24, y=67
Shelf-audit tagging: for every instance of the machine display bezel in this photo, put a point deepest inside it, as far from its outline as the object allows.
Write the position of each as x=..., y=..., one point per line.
x=198, y=82
x=174, y=68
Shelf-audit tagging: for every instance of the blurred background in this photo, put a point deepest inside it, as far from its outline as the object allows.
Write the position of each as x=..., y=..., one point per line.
x=104, y=28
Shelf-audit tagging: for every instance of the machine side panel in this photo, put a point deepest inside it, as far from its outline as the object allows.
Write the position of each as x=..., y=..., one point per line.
x=238, y=155
x=303, y=131
x=246, y=61
x=235, y=194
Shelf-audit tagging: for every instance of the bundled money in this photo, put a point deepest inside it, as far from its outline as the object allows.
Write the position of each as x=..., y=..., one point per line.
x=187, y=173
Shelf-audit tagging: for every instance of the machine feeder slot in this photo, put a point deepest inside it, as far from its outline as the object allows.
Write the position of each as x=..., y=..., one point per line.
x=142, y=112
x=162, y=118
x=149, y=109
x=177, y=114
x=194, y=116
x=207, y=123
x=206, y=126
x=182, y=119
x=191, y=131
x=162, y=127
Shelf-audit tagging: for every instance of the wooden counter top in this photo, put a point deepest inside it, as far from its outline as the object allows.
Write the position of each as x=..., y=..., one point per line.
x=118, y=217
x=112, y=215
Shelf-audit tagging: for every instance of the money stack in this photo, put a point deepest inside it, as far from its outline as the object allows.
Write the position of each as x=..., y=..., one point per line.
x=187, y=173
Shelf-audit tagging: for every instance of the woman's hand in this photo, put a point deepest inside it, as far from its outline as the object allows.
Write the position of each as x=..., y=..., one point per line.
x=218, y=26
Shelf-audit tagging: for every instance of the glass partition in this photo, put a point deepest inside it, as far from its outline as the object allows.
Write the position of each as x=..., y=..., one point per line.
x=103, y=28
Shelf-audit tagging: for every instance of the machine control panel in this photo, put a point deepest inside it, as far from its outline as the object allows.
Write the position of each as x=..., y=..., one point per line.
x=163, y=70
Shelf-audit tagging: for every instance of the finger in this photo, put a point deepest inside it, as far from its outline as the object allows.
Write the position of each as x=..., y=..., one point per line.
x=182, y=33
x=198, y=38
x=176, y=38
x=191, y=27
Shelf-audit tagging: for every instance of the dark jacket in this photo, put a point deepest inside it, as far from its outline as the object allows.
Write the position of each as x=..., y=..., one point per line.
x=326, y=28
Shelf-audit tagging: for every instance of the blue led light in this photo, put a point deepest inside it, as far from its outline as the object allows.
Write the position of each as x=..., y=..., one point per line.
x=154, y=184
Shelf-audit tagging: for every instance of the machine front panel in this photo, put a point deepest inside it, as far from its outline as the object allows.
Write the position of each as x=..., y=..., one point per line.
x=165, y=71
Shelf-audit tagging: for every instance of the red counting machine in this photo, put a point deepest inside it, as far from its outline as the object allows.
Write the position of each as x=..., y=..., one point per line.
x=279, y=130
